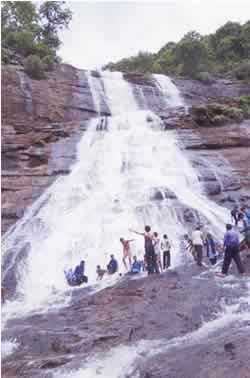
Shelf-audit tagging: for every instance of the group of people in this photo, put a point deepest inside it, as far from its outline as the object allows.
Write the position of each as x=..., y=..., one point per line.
x=157, y=255
x=241, y=218
x=231, y=242
x=156, y=258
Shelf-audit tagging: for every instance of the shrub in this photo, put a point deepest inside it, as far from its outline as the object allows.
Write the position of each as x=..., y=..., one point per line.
x=245, y=105
x=235, y=113
x=48, y=62
x=21, y=42
x=242, y=71
x=34, y=67
x=219, y=120
x=41, y=50
x=204, y=77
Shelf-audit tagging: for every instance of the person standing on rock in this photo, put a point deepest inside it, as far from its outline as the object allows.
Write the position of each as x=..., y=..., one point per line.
x=211, y=249
x=149, y=249
x=157, y=248
x=231, y=246
x=197, y=241
x=165, y=247
x=235, y=215
x=244, y=228
x=126, y=251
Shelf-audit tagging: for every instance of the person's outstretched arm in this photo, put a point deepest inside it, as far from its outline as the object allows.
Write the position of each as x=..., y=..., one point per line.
x=136, y=232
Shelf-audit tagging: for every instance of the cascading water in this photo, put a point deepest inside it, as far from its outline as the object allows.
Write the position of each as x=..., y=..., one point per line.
x=83, y=215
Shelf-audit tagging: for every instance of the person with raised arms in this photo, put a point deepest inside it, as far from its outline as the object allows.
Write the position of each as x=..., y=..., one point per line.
x=126, y=251
x=149, y=249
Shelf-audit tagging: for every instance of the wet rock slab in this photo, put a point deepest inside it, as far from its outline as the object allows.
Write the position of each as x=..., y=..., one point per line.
x=159, y=307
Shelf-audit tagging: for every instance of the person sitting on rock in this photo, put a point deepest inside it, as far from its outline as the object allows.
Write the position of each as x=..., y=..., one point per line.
x=112, y=266
x=100, y=272
x=79, y=273
x=136, y=266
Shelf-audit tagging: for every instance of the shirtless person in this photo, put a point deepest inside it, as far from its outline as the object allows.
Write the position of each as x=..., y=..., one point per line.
x=126, y=251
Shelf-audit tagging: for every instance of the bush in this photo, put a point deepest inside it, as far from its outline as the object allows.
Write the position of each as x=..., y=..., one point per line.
x=242, y=71
x=204, y=77
x=48, y=62
x=34, y=67
x=219, y=120
x=41, y=50
x=235, y=114
x=21, y=42
x=245, y=105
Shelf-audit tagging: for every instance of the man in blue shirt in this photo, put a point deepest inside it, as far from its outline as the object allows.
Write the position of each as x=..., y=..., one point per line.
x=231, y=251
x=136, y=266
x=79, y=273
x=112, y=266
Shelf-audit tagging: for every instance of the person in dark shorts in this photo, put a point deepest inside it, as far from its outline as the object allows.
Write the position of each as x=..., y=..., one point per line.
x=197, y=241
x=211, y=249
x=231, y=246
x=165, y=247
x=150, y=255
x=235, y=215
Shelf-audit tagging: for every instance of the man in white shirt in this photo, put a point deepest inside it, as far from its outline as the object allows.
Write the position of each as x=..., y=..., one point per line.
x=197, y=241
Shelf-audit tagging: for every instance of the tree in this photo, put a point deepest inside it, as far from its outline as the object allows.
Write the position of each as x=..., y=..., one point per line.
x=245, y=39
x=191, y=53
x=53, y=17
x=31, y=31
x=18, y=16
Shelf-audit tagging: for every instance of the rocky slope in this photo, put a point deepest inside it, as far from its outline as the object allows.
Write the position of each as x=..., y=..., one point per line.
x=173, y=324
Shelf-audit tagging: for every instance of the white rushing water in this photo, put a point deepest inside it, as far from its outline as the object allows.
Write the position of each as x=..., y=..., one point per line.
x=109, y=190
x=170, y=91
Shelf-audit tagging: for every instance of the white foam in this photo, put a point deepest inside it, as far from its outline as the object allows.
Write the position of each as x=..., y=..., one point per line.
x=8, y=347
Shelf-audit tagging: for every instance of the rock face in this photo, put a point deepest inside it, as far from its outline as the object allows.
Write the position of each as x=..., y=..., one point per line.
x=41, y=124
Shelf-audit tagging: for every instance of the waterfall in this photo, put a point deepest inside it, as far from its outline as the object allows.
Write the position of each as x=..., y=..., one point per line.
x=169, y=90
x=26, y=91
x=95, y=88
x=109, y=190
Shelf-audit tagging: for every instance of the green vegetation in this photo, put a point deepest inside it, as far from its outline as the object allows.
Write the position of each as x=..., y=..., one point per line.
x=226, y=52
x=245, y=105
x=30, y=34
x=216, y=114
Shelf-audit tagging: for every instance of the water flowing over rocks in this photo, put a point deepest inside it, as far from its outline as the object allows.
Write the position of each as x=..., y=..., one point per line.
x=182, y=323
x=43, y=120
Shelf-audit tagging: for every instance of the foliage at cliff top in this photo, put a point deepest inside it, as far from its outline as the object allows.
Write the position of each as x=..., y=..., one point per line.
x=30, y=33
x=227, y=51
